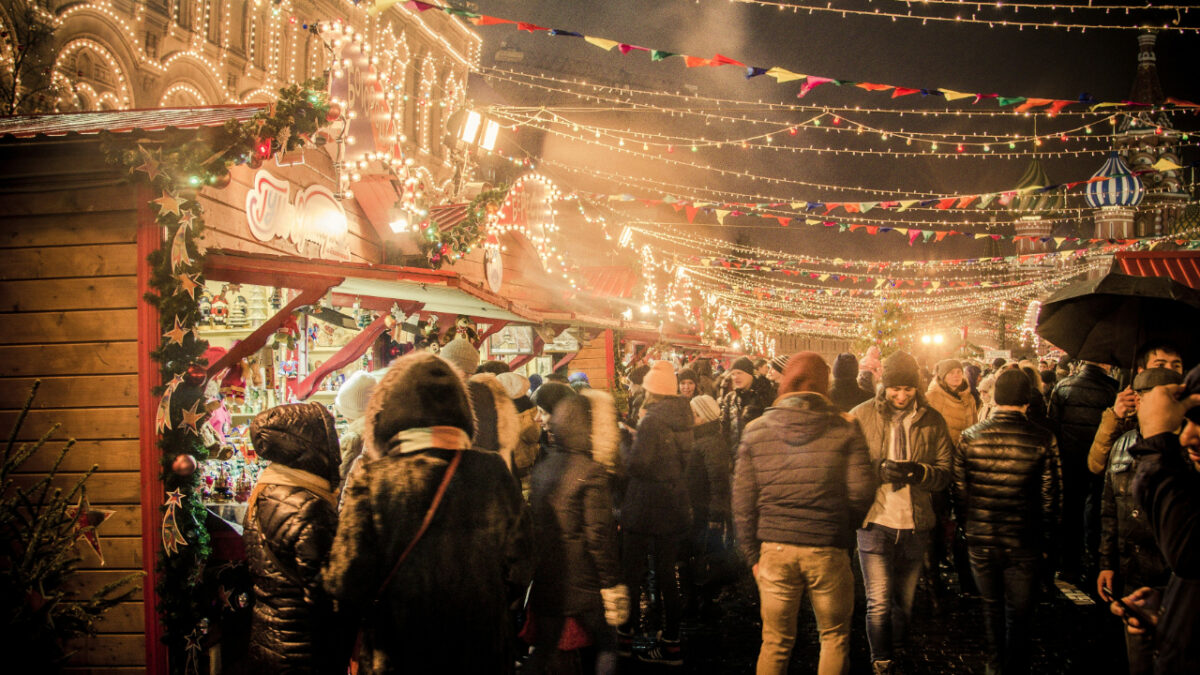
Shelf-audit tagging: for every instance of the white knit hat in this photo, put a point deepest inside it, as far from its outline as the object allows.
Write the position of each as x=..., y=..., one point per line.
x=706, y=407
x=516, y=385
x=352, y=398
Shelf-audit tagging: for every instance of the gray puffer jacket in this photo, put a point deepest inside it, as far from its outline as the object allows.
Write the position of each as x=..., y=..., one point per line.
x=802, y=477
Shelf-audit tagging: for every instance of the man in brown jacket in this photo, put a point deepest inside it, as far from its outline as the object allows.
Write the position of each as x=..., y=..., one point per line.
x=1122, y=415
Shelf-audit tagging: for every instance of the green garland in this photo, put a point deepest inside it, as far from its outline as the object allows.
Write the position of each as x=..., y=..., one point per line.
x=457, y=241
x=176, y=164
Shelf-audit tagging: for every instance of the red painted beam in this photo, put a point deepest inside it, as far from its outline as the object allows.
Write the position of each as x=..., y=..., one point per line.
x=353, y=349
x=149, y=239
x=564, y=361
x=538, y=345
x=255, y=341
x=493, y=328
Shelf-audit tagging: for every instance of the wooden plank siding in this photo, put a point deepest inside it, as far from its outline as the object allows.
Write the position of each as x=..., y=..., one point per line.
x=593, y=360
x=68, y=308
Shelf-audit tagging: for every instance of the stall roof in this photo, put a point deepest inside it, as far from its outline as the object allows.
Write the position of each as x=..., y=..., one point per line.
x=1182, y=266
x=614, y=281
x=439, y=290
x=125, y=121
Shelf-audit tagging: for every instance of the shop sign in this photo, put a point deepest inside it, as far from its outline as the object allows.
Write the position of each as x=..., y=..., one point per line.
x=314, y=222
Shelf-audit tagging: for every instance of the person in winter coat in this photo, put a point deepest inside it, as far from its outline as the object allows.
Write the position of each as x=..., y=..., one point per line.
x=656, y=512
x=802, y=484
x=950, y=395
x=845, y=391
x=1007, y=485
x=351, y=402
x=708, y=476
x=497, y=427
x=578, y=573
x=743, y=403
x=1167, y=488
x=687, y=384
x=445, y=607
x=1076, y=406
x=1129, y=557
x=1121, y=417
x=288, y=534
x=706, y=382
x=910, y=452
x=528, y=430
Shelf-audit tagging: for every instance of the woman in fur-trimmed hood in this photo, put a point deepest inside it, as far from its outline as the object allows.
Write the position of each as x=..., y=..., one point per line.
x=446, y=608
x=497, y=427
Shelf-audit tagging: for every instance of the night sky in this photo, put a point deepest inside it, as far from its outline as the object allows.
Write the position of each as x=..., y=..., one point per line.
x=971, y=58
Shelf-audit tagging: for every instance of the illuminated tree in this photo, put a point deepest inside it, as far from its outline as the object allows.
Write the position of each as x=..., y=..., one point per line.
x=888, y=330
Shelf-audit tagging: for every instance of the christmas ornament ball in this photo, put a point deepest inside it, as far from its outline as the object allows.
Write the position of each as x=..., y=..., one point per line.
x=196, y=375
x=184, y=464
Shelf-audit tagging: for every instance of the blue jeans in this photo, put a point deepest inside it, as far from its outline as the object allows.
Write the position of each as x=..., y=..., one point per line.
x=1006, y=578
x=891, y=566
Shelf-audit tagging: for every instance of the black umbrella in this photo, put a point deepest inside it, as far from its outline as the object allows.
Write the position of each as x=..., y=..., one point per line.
x=1107, y=319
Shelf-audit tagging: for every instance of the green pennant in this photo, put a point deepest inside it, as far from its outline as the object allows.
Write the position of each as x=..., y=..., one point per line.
x=927, y=234
x=659, y=55
x=1009, y=101
x=466, y=14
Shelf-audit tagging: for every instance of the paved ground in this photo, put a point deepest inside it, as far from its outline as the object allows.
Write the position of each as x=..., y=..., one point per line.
x=1072, y=635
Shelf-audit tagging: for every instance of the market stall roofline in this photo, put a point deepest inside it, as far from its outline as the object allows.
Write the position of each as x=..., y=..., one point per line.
x=440, y=290
x=1182, y=266
x=125, y=121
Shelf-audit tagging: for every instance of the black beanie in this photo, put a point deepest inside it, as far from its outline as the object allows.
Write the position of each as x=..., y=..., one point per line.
x=686, y=374
x=900, y=370
x=638, y=374
x=743, y=364
x=845, y=367
x=1013, y=388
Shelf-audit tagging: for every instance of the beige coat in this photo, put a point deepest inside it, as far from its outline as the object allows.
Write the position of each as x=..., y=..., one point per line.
x=958, y=409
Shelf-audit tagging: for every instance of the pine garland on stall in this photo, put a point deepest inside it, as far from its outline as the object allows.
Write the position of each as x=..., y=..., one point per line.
x=440, y=246
x=176, y=165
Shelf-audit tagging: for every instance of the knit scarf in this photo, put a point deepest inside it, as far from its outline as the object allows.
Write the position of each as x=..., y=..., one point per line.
x=423, y=438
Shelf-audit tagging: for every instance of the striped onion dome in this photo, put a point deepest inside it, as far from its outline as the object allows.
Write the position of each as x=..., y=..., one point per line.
x=1036, y=202
x=1121, y=189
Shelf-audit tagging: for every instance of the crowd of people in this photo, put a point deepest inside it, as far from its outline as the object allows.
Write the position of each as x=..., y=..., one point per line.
x=475, y=520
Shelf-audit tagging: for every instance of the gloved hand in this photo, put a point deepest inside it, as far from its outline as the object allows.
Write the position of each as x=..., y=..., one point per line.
x=889, y=472
x=902, y=473
x=616, y=604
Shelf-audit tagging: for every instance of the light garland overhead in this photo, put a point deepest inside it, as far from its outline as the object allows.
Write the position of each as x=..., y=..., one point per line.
x=781, y=75
x=968, y=12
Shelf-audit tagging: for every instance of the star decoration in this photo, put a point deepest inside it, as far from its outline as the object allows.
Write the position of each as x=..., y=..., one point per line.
x=186, y=218
x=149, y=164
x=192, y=416
x=188, y=283
x=177, y=333
x=174, y=498
x=225, y=596
x=86, y=520
x=167, y=203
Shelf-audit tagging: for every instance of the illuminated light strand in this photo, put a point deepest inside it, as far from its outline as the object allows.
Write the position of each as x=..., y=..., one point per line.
x=669, y=143
x=1080, y=132
x=68, y=50
x=181, y=87
x=780, y=74
x=696, y=102
x=799, y=6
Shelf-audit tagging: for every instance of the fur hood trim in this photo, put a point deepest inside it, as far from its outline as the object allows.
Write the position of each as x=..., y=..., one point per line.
x=508, y=425
x=606, y=439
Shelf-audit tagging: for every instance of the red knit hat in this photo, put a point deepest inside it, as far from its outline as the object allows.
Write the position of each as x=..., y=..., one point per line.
x=805, y=371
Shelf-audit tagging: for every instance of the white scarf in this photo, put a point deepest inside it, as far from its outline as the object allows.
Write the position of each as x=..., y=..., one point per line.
x=423, y=438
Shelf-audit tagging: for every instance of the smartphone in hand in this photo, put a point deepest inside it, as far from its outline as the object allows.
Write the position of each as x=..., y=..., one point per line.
x=1144, y=619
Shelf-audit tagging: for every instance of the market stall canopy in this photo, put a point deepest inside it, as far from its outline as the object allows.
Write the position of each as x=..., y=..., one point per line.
x=1182, y=266
x=441, y=299
x=125, y=121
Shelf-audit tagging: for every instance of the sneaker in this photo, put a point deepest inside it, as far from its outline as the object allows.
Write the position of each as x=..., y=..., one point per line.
x=624, y=643
x=666, y=652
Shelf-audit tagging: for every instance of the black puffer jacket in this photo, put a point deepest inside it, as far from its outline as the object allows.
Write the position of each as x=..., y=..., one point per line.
x=803, y=476
x=738, y=408
x=1126, y=541
x=289, y=533
x=574, y=533
x=1076, y=404
x=1008, y=483
x=708, y=474
x=656, y=499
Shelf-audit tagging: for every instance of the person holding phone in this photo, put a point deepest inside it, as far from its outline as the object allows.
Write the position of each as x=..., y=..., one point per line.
x=1167, y=487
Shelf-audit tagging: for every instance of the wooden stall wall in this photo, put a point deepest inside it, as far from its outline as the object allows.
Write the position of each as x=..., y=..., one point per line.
x=593, y=359
x=68, y=309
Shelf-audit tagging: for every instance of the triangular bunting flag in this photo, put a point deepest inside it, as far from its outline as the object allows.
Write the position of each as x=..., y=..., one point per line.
x=659, y=55
x=812, y=82
x=696, y=61
x=721, y=216
x=490, y=21
x=602, y=43
x=903, y=91
x=722, y=60
x=954, y=95
x=782, y=75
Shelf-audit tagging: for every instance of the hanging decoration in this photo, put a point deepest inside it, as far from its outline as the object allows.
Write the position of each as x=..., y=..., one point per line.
x=782, y=75
x=86, y=522
x=176, y=164
x=458, y=239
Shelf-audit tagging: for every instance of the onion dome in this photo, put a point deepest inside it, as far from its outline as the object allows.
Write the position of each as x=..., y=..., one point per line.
x=1121, y=188
x=1034, y=202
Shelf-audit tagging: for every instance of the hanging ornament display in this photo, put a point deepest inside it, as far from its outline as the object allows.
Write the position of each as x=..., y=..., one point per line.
x=172, y=538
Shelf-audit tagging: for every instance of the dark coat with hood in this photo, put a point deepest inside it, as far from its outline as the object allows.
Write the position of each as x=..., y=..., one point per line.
x=288, y=534
x=1168, y=490
x=739, y=407
x=575, y=536
x=1008, y=483
x=708, y=474
x=844, y=392
x=928, y=443
x=802, y=477
x=446, y=608
x=656, y=500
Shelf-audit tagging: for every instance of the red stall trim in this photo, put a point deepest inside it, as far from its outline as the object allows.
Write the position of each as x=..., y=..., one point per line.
x=352, y=350
x=255, y=341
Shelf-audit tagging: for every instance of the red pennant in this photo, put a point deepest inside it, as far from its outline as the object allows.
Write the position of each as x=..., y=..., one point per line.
x=903, y=91
x=872, y=229
x=941, y=235
x=695, y=61
x=720, y=60
x=522, y=25
x=946, y=203
x=1057, y=106
x=856, y=226
x=783, y=220
x=489, y=20
x=852, y=207
x=691, y=213
x=912, y=236
x=873, y=87
x=965, y=202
